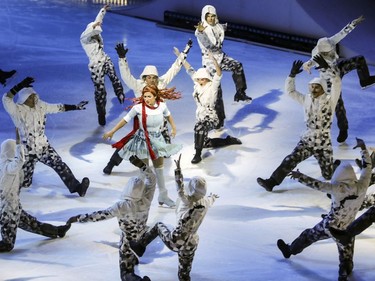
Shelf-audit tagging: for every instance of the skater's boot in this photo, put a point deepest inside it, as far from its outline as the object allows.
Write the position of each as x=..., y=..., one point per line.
x=240, y=83
x=108, y=169
x=114, y=161
x=62, y=230
x=131, y=276
x=48, y=230
x=163, y=197
x=267, y=184
x=345, y=269
x=343, y=135
x=199, y=140
x=197, y=157
x=365, y=80
x=101, y=116
x=101, y=119
x=229, y=140
x=5, y=247
x=81, y=188
x=284, y=248
x=4, y=75
x=139, y=247
x=355, y=228
x=241, y=96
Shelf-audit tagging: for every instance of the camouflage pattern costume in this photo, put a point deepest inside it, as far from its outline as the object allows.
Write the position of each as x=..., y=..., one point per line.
x=347, y=194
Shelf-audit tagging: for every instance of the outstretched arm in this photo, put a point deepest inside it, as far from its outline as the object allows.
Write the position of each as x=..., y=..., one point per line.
x=80, y=106
x=346, y=30
x=118, y=126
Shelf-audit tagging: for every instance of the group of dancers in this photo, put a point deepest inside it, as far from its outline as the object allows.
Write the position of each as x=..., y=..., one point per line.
x=150, y=139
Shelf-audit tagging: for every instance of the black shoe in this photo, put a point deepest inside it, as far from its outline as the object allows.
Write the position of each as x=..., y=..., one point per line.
x=197, y=158
x=137, y=248
x=267, y=184
x=4, y=75
x=241, y=96
x=343, y=135
x=284, y=248
x=101, y=119
x=4, y=247
x=232, y=140
x=108, y=169
x=63, y=229
x=83, y=186
x=341, y=235
x=345, y=269
x=133, y=277
x=367, y=83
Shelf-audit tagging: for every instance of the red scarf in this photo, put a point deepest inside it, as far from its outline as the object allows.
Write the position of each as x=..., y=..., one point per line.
x=120, y=144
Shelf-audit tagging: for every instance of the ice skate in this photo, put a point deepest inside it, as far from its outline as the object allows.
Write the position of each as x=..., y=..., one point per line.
x=284, y=248
x=267, y=184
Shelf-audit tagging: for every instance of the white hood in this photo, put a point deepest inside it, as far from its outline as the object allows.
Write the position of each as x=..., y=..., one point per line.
x=197, y=188
x=321, y=82
x=134, y=189
x=344, y=173
x=208, y=9
x=24, y=94
x=8, y=150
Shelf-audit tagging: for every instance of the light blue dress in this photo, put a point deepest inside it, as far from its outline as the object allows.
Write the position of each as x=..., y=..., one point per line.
x=137, y=144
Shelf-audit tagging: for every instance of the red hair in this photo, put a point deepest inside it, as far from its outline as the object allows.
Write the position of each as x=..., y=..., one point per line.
x=160, y=95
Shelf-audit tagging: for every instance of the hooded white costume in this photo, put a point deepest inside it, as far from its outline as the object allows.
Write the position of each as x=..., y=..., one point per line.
x=12, y=215
x=132, y=212
x=100, y=64
x=347, y=194
x=212, y=39
x=192, y=207
x=31, y=123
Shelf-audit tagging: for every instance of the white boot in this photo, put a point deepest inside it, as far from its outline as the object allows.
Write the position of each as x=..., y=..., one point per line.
x=163, y=192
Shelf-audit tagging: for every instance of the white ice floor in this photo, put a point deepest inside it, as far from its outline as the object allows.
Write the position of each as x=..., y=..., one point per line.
x=238, y=237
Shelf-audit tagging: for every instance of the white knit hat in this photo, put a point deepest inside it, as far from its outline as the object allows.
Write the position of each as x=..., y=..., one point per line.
x=24, y=94
x=202, y=73
x=196, y=188
x=149, y=70
x=325, y=45
x=321, y=82
x=134, y=189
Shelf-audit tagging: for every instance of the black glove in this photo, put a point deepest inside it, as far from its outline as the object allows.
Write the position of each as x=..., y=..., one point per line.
x=295, y=174
x=25, y=83
x=72, y=219
x=121, y=98
x=81, y=105
x=321, y=62
x=177, y=171
x=189, y=44
x=137, y=162
x=360, y=143
x=296, y=68
x=121, y=51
